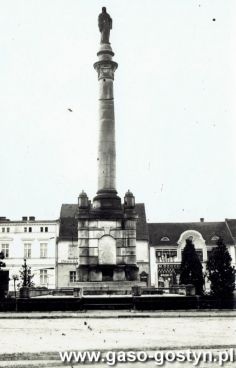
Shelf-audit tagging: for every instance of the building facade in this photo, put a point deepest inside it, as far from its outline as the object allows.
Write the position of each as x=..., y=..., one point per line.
x=33, y=240
x=167, y=241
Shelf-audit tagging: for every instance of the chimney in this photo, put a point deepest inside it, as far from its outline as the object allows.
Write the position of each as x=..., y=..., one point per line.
x=202, y=219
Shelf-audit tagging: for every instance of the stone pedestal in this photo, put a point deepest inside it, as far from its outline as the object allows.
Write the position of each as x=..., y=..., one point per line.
x=95, y=275
x=119, y=274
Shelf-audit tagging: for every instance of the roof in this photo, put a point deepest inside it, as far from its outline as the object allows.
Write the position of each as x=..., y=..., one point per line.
x=68, y=210
x=142, y=226
x=232, y=226
x=154, y=232
x=173, y=231
x=68, y=222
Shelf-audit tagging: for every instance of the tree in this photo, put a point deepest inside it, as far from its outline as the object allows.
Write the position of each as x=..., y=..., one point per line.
x=26, y=276
x=2, y=256
x=220, y=272
x=191, y=268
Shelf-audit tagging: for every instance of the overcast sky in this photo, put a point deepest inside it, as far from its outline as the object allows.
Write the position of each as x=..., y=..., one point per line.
x=175, y=105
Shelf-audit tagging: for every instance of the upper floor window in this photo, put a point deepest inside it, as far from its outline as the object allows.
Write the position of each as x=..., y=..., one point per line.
x=28, y=229
x=215, y=238
x=199, y=254
x=166, y=255
x=72, y=251
x=165, y=238
x=3, y=229
x=27, y=250
x=8, y=229
x=43, y=250
x=5, y=250
x=44, y=229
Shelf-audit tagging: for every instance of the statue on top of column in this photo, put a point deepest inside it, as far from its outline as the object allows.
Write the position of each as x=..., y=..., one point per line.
x=104, y=25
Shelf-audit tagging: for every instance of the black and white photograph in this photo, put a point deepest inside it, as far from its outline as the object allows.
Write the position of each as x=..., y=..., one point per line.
x=118, y=183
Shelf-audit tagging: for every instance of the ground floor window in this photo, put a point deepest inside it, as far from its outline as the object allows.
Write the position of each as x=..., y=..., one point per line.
x=43, y=277
x=168, y=275
x=5, y=250
x=72, y=276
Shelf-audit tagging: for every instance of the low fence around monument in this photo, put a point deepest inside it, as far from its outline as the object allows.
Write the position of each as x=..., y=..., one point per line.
x=115, y=302
x=33, y=292
x=137, y=298
x=105, y=290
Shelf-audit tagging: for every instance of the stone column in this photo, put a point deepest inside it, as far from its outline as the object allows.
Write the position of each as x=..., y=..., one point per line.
x=105, y=67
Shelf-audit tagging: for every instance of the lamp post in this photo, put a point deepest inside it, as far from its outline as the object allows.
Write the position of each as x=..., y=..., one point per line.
x=15, y=278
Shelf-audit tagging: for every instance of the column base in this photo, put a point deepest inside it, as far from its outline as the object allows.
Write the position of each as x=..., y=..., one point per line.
x=107, y=200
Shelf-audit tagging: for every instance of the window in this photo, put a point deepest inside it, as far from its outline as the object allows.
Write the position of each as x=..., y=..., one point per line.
x=215, y=238
x=41, y=229
x=72, y=251
x=166, y=255
x=8, y=229
x=43, y=250
x=43, y=277
x=199, y=254
x=5, y=250
x=165, y=238
x=25, y=229
x=30, y=229
x=46, y=229
x=3, y=229
x=27, y=250
x=72, y=276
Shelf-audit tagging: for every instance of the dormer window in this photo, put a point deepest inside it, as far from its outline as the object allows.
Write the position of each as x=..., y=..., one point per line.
x=165, y=238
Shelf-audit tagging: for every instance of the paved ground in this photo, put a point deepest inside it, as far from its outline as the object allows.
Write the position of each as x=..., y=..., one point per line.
x=28, y=342
x=120, y=313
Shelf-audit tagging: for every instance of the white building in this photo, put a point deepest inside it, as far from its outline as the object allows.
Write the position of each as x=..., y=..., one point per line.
x=167, y=241
x=34, y=240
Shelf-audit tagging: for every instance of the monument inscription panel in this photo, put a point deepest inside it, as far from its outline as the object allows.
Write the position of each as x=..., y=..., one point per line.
x=107, y=250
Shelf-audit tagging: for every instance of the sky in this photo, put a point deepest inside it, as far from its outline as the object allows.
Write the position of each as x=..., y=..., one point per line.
x=175, y=110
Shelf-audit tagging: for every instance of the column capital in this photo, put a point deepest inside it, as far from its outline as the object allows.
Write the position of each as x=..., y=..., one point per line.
x=105, y=69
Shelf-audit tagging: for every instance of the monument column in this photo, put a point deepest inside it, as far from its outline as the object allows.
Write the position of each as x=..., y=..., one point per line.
x=106, y=228
x=105, y=67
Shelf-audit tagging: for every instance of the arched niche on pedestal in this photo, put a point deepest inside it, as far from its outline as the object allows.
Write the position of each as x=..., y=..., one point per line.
x=107, y=250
